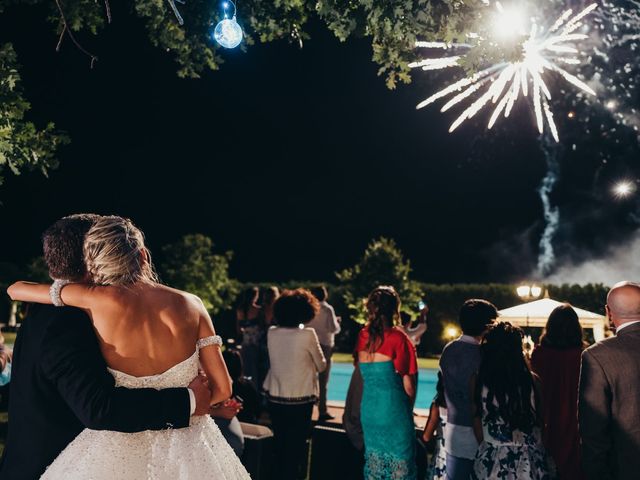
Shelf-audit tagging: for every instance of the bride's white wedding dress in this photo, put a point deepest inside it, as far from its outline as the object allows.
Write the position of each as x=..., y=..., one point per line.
x=196, y=452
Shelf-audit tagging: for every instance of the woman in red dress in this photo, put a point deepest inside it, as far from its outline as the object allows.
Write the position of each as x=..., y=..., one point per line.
x=556, y=360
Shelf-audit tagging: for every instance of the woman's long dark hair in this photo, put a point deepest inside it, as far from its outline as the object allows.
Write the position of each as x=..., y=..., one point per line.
x=563, y=329
x=505, y=373
x=383, y=307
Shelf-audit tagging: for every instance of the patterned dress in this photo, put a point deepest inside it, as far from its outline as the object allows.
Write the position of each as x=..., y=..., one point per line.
x=507, y=454
x=437, y=470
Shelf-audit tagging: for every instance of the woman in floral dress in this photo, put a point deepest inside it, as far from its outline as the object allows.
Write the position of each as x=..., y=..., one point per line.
x=436, y=424
x=508, y=413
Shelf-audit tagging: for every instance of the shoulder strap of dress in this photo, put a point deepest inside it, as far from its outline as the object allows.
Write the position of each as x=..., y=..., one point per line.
x=208, y=341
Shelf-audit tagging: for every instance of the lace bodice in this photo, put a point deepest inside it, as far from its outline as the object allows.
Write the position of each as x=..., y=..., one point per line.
x=180, y=375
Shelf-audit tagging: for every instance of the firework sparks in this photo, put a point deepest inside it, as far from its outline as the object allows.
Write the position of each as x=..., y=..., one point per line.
x=499, y=86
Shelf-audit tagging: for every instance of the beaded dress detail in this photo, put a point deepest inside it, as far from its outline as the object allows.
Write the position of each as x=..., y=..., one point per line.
x=198, y=451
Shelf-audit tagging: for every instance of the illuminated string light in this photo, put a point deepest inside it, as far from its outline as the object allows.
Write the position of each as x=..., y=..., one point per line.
x=499, y=86
x=227, y=32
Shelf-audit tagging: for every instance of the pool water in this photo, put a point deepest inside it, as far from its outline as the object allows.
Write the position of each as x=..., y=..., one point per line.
x=341, y=376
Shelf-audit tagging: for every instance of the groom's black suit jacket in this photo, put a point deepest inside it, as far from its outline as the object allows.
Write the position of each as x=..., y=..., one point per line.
x=60, y=385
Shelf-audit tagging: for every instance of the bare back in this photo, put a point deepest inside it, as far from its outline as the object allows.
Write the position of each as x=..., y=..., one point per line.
x=148, y=328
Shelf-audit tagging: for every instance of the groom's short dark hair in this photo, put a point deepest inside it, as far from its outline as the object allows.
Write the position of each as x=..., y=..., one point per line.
x=63, y=245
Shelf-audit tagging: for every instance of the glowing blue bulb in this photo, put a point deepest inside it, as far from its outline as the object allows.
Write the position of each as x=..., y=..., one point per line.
x=228, y=33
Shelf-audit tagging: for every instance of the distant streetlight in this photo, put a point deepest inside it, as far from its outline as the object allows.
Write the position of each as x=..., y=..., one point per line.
x=451, y=332
x=529, y=292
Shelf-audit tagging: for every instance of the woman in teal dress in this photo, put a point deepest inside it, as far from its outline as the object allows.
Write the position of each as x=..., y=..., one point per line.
x=388, y=364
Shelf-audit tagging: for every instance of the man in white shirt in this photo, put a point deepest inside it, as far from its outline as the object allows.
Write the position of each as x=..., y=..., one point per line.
x=326, y=325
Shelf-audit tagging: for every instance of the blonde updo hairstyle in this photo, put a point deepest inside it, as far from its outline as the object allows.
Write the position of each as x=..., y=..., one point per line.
x=115, y=253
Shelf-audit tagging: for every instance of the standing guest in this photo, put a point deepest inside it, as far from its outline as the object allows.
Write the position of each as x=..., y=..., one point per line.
x=609, y=401
x=243, y=390
x=249, y=328
x=415, y=333
x=291, y=385
x=459, y=362
x=556, y=360
x=5, y=373
x=268, y=298
x=5, y=355
x=326, y=325
x=351, y=415
x=508, y=418
x=437, y=423
x=388, y=364
x=225, y=414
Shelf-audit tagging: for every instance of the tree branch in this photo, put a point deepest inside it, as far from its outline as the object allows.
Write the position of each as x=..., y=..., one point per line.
x=107, y=6
x=65, y=28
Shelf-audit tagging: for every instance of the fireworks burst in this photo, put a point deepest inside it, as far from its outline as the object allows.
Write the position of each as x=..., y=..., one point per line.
x=539, y=50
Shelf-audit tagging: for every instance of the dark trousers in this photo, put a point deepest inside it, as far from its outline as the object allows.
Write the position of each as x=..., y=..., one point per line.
x=291, y=429
x=323, y=379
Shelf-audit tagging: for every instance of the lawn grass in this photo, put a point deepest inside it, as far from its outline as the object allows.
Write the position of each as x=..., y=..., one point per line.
x=422, y=362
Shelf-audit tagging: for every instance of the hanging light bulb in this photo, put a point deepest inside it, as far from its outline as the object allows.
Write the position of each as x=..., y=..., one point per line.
x=227, y=32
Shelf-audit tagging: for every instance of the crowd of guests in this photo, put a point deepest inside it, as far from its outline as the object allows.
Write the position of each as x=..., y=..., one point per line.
x=561, y=411
x=569, y=412
x=501, y=411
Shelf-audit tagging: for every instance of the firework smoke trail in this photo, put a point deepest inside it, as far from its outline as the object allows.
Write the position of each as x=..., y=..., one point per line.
x=546, y=255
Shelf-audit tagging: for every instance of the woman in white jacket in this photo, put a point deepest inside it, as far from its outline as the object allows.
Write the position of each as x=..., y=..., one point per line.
x=292, y=382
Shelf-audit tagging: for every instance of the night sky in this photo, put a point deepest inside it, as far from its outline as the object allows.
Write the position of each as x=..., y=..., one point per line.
x=295, y=159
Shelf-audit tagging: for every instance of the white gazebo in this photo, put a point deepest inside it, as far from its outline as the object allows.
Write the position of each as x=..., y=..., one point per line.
x=536, y=313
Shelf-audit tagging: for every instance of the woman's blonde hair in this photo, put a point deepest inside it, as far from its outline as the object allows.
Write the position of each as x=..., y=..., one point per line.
x=115, y=253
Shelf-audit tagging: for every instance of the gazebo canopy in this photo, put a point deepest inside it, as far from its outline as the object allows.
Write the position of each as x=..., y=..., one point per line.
x=536, y=313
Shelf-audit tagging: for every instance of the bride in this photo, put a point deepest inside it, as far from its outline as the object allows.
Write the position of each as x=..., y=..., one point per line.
x=151, y=336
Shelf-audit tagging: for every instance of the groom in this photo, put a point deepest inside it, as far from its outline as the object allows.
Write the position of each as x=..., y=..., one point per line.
x=60, y=383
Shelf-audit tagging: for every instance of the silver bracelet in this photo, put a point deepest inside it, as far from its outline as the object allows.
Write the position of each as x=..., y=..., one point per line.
x=55, y=290
x=212, y=340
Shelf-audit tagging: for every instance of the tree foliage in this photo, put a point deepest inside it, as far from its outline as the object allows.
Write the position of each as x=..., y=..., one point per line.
x=382, y=264
x=22, y=145
x=190, y=264
x=393, y=27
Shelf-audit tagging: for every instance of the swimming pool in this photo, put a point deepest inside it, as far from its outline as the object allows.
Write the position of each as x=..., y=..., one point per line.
x=341, y=375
